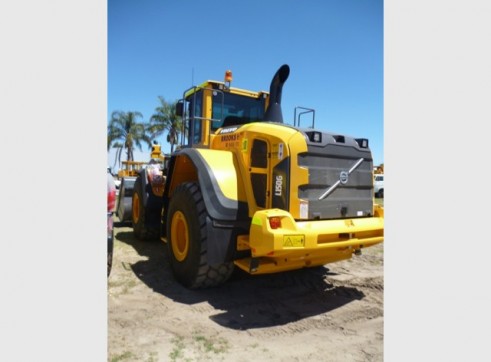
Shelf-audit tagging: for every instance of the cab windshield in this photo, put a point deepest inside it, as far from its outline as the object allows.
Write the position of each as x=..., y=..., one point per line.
x=237, y=109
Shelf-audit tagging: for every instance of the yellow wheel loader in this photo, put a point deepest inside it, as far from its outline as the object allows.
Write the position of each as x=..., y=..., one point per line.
x=246, y=190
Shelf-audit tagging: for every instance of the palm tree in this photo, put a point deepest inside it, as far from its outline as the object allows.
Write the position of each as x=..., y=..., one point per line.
x=124, y=132
x=165, y=120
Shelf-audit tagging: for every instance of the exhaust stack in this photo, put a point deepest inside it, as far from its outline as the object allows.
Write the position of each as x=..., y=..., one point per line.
x=273, y=112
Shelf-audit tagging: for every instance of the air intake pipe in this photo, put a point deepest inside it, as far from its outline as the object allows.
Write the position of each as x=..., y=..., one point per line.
x=273, y=113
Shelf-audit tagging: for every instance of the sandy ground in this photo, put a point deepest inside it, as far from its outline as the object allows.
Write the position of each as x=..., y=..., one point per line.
x=330, y=313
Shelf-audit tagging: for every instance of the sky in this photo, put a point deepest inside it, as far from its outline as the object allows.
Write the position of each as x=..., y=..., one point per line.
x=334, y=49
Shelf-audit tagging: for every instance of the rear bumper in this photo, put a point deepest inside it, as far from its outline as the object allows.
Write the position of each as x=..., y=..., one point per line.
x=299, y=244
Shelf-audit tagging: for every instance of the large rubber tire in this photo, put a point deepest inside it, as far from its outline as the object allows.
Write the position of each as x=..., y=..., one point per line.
x=381, y=194
x=188, y=242
x=138, y=214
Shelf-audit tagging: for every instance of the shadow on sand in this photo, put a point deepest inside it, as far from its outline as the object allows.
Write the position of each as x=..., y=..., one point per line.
x=244, y=301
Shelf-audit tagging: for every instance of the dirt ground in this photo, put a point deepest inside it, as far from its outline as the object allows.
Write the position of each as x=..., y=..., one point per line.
x=331, y=313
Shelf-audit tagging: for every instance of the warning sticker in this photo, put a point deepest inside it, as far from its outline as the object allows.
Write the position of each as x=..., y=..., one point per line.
x=304, y=210
x=293, y=241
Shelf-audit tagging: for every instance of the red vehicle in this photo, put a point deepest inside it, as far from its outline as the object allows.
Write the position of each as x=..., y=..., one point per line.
x=111, y=203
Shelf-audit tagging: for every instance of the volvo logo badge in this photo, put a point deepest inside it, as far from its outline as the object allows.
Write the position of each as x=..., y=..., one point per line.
x=343, y=177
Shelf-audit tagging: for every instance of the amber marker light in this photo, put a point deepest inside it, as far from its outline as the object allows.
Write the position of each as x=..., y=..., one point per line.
x=228, y=76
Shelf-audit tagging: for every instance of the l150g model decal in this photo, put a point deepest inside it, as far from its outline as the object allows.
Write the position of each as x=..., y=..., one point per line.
x=281, y=184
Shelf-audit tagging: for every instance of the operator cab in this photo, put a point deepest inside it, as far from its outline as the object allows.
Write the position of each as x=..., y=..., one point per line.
x=213, y=105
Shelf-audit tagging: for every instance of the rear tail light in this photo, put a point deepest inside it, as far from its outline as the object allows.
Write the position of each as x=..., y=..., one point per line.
x=111, y=194
x=111, y=200
x=275, y=222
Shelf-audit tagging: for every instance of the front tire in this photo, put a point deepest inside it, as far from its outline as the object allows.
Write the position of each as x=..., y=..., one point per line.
x=188, y=241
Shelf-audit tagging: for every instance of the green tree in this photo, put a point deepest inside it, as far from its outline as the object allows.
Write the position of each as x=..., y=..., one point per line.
x=124, y=132
x=165, y=120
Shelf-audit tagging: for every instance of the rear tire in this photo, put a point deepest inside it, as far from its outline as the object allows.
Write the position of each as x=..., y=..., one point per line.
x=188, y=241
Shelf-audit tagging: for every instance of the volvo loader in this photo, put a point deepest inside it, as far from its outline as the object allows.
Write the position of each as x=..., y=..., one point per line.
x=246, y=190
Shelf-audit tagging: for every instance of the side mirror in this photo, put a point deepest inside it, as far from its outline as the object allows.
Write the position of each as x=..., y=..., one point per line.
x=180, y=108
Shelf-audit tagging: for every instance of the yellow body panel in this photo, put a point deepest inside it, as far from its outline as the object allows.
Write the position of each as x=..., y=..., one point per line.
x=306, y=243
x=184, y=170
x=223, y=165
x=240, y=143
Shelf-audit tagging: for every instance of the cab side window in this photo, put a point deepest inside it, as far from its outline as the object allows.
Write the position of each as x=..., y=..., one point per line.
x=195, y=106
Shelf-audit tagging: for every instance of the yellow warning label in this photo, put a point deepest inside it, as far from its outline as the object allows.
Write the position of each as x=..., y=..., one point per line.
x=293, y=241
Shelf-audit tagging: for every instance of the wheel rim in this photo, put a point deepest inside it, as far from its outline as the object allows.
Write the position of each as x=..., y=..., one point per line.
x=179, y=236
x=135, y=207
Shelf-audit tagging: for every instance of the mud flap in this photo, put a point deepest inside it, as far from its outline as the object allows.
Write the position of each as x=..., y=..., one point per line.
x=153, y=208
x=222, y=241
